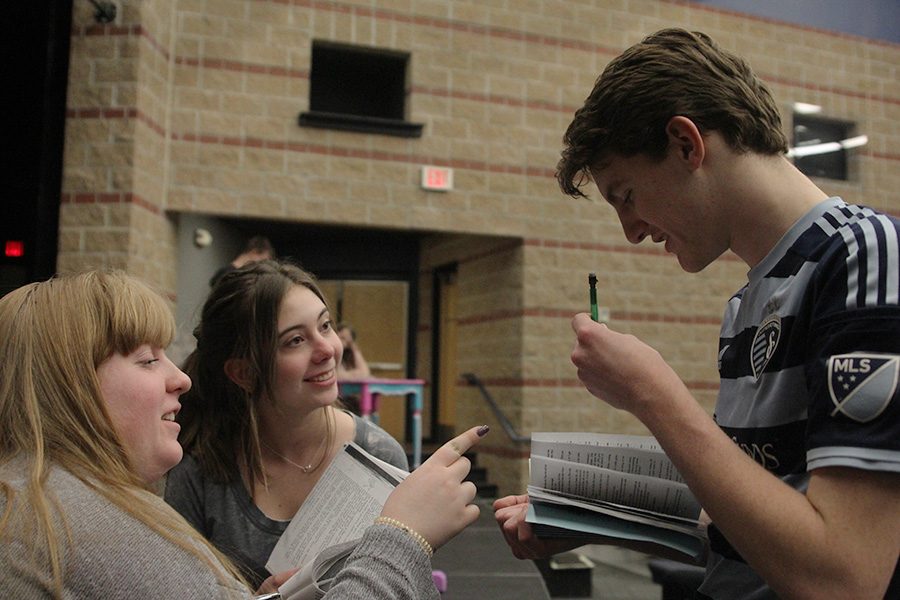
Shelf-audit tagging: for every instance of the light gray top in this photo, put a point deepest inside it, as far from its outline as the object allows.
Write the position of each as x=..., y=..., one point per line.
x=114, y=556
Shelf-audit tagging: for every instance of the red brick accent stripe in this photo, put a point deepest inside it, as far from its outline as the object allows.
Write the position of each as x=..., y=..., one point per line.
x=571, y=383
x=242, y=67
x=501, y=315
x=94, y=30
x=604, y=247
x=563, y=313
x=494, y=99
x=115, y=112
x=110, y=112
x=109, y=198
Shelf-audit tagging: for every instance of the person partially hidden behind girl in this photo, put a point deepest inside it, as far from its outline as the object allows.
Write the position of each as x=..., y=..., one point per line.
x=353, y=364
x=87, y=406
x=260, y=424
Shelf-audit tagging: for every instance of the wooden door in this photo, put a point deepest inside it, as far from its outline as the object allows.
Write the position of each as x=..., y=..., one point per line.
x=448, y=372
x=379, y=312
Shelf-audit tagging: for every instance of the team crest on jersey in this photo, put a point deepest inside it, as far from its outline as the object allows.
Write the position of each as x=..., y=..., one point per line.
x=764, y=343
x=862, y=385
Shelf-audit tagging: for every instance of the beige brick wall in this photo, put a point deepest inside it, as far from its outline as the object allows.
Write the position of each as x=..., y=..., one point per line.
x=191, y=106
x=116, y=158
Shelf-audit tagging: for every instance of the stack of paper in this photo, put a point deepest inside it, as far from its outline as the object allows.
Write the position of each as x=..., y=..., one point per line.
x=341, y=506
x=619, y=486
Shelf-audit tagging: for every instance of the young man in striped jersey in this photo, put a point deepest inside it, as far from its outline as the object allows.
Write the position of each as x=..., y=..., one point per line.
x=799, y=469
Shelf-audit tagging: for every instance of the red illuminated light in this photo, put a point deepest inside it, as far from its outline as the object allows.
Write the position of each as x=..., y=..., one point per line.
x=14, y=248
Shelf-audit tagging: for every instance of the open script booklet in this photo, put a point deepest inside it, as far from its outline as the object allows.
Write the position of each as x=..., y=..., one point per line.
x=344, y=502
x=620, y=486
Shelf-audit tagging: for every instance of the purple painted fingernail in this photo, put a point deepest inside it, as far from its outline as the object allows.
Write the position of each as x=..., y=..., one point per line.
x=482, y=431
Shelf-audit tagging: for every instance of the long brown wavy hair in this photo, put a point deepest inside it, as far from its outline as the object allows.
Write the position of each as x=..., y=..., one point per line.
x=219, y=419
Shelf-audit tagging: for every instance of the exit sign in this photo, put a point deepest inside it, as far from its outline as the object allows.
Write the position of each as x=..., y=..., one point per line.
x=437, y=179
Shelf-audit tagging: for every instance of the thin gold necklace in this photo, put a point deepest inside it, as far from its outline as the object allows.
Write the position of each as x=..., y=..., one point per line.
x=310, y=467
x=307, y=468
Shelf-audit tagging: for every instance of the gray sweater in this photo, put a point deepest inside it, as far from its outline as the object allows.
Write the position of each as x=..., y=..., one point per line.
x=225, y=514
x=114, y=556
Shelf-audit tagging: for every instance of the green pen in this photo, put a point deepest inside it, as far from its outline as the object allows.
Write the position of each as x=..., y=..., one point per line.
x=592, y=282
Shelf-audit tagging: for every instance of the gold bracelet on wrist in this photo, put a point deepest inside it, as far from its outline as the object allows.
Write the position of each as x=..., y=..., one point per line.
x=423, y=543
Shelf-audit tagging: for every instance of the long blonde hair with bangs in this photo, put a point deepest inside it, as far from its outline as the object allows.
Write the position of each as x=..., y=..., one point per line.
x=53, y=336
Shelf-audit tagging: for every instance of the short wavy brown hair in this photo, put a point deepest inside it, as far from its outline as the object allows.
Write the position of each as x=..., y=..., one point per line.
x=673, y=72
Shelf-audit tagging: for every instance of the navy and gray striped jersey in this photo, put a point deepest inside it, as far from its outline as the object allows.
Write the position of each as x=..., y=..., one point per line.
x=808, y=360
